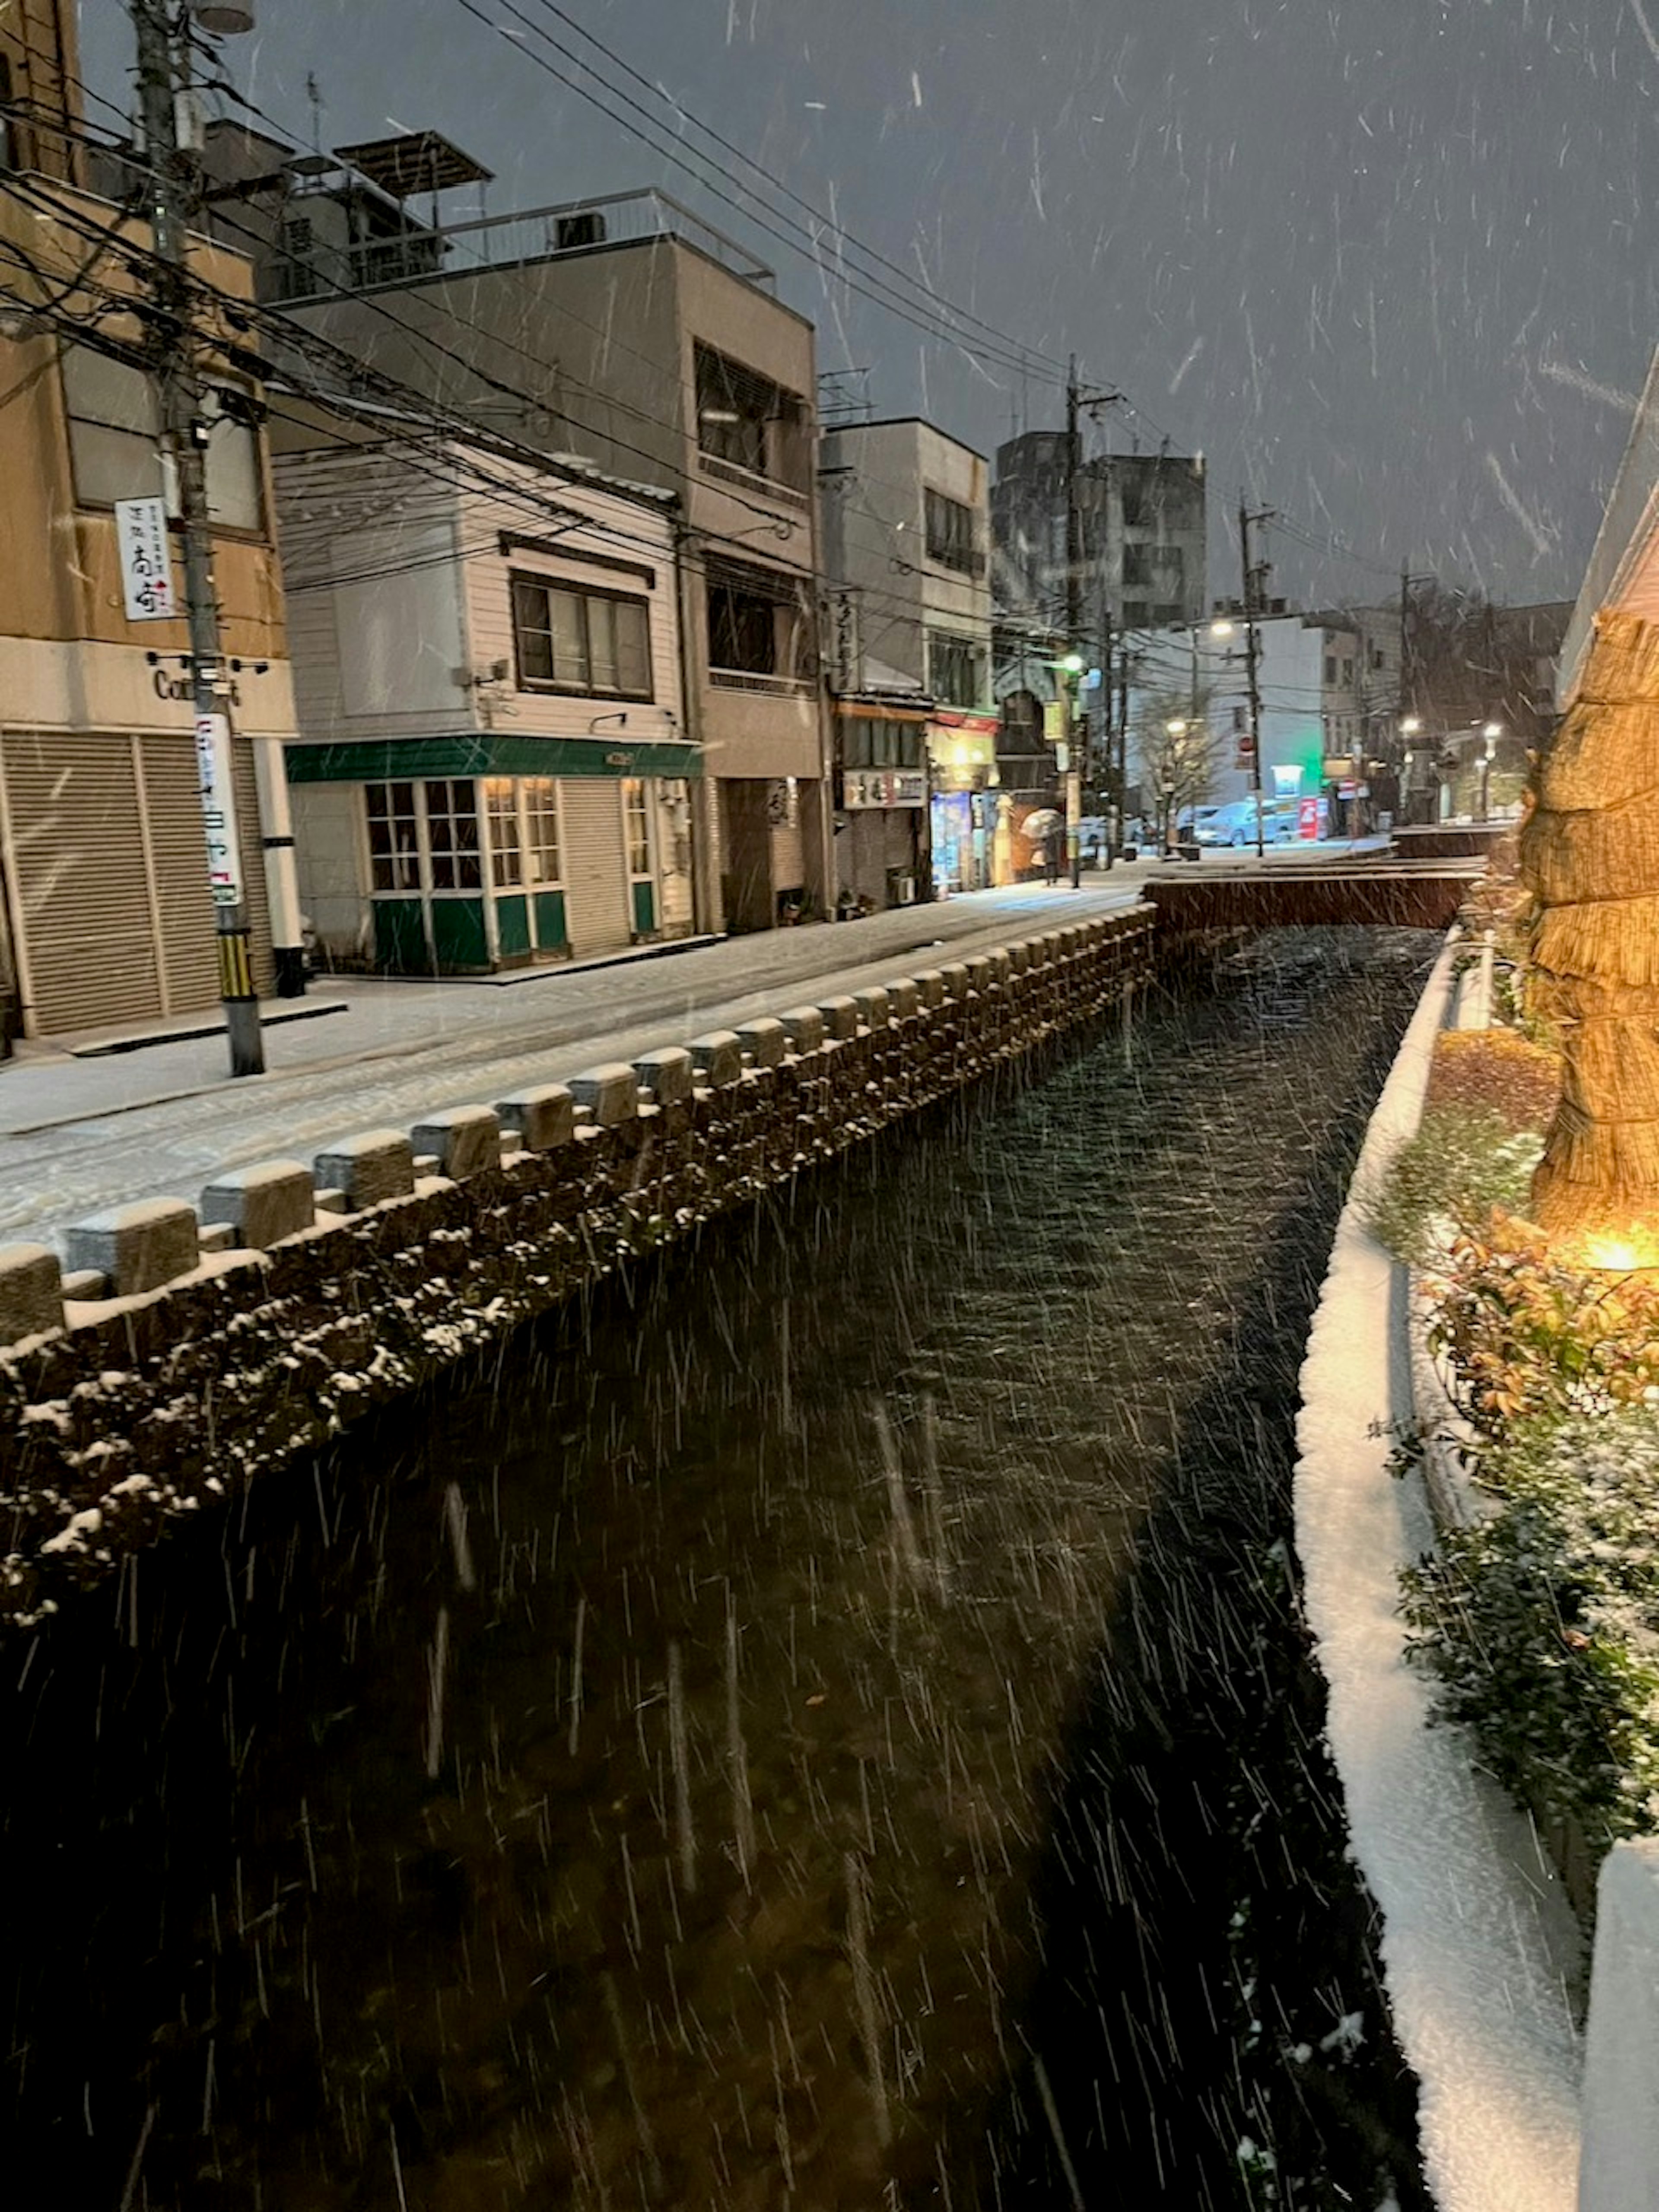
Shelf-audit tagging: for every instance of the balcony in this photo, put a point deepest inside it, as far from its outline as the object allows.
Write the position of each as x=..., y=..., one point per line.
x=508, y=241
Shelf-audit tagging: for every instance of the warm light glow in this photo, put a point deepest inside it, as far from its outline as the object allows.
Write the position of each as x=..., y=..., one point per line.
x=1411, y=725
x=1492, y=730
x=1221, y=630
x=1610, y=1252
x=1176, y=729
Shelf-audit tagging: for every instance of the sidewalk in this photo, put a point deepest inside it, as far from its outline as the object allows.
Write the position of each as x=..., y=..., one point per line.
x=78, y=1135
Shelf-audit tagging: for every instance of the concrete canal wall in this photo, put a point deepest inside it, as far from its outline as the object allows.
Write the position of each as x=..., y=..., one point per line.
x=186, y=1347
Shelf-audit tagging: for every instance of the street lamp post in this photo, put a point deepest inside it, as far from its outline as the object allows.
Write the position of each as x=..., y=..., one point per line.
x=1071, y=668
x=1410, y=728
x=1492, y=733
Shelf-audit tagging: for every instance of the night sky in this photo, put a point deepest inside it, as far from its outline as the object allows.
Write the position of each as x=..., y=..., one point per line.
x=1385, y=263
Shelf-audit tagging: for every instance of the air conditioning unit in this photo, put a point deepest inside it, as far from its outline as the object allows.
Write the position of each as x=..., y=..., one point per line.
x=572, y=232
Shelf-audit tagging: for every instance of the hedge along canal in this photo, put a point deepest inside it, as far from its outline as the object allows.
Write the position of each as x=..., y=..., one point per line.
x=826, y=1722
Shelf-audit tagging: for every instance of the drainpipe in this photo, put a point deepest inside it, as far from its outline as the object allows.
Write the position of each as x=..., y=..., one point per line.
x=707, y=912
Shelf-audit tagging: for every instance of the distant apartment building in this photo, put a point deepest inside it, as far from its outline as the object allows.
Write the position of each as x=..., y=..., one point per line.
x=1139, y=526
x=102, y=844
x=627, y=331
x=905, y=533
x=1328, y=687
x=494, y=770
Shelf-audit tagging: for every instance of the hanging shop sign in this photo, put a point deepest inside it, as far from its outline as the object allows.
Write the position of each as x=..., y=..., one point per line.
x=884, y=787
x=213, y=774
x=141, y=535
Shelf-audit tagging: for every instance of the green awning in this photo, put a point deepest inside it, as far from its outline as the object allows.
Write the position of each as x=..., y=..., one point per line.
x=486, y=752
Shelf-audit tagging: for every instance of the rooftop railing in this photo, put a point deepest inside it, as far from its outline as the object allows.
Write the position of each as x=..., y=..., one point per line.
x=508, y=241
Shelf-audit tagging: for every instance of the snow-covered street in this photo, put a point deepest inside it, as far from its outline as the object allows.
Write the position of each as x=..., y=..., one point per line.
x=80, y=1134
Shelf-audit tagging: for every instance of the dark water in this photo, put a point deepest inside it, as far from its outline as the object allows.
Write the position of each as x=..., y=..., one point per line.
x=827, y=1726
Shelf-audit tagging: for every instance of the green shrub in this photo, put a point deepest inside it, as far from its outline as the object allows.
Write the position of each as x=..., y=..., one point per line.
x=1463, y=1161
x=1542, y=1625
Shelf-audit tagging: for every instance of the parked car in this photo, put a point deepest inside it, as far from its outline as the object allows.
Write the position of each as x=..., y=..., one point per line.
x=1235, y=826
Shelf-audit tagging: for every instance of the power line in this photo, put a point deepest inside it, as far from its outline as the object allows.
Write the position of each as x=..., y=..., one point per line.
x=935, y=302
x=936, y=328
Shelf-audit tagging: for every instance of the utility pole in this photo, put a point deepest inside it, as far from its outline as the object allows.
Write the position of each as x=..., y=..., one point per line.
x=173, y=172
x=1074, y=624
x=1252, y=652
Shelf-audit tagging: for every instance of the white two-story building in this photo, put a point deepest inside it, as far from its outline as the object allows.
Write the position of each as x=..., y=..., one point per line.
x=492, y=768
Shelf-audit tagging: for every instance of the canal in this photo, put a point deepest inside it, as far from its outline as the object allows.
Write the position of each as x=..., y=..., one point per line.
x=825, y=1725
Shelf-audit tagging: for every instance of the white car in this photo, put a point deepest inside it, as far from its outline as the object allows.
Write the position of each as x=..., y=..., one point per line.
x=1235, y=826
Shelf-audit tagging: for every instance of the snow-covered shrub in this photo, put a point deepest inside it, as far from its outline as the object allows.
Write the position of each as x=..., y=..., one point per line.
x=1464, y=1161
x=1526, y=1337
x=1541, y=1623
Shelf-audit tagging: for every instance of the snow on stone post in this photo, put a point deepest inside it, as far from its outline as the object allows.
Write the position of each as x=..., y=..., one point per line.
x=1618, y=2167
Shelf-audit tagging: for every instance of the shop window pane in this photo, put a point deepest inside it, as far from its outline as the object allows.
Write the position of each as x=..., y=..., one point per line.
x=505, y=853
x=541, y=799
x=394, y=840
x=636, y=814
x=451, y=829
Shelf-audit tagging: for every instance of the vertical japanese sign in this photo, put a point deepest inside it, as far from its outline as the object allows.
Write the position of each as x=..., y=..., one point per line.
x=218, y=809
x=141, y=535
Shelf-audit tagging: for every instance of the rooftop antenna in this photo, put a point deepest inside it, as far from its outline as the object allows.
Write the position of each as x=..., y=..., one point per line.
x=314, y=96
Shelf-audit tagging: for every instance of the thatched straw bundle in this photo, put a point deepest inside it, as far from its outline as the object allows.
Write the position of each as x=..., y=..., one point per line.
x=1614, y=847
x=1613, y=941
x=1591, y=853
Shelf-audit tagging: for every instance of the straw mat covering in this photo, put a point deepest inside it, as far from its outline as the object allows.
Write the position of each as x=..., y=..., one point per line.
x=1590, y=851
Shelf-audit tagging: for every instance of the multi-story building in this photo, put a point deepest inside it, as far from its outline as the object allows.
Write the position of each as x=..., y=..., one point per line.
x=626, y=330
x=493, y=769
x=1321, y=680
x=906, y=533
x=101, y=831
x=1140, y=524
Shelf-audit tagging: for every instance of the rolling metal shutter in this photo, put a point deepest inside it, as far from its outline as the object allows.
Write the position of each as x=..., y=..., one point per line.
x=111, y=877
x=81, y=888
x=597, y=911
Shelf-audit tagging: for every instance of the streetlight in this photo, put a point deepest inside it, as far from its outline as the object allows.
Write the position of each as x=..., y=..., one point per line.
x=1175, y=729
x=1411, y=728
x=1492, y=733
x=1071, y=667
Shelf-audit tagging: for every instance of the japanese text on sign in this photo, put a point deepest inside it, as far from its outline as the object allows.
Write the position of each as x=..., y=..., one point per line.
x=141, y=534
x=218, y=809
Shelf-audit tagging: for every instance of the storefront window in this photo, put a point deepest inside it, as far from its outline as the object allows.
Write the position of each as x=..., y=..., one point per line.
x=636, y=815
x=451, y=829
x=505, y=848
x=394, y=840
x=541, y=809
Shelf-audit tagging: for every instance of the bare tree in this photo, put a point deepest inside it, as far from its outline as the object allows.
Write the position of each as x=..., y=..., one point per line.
x=1177, y=752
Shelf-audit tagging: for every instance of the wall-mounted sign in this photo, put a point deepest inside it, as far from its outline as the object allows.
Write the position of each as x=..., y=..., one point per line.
x=884, y=787
x=140, y=536
x=213, y=774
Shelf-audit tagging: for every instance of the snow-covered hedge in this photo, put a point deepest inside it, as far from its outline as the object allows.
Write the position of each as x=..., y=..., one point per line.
x=1540, y=1622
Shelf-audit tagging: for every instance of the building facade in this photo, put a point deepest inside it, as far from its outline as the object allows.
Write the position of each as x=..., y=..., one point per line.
x=909, y=649
x=625, y=330
x=1141, y=523
x=493, y=769
x=101, y=833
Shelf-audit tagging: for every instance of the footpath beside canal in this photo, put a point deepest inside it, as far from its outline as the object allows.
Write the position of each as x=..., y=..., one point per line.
x=192, y=1345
